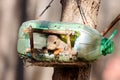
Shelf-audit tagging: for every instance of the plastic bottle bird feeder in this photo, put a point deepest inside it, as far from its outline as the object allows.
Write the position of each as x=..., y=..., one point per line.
x=58, y=42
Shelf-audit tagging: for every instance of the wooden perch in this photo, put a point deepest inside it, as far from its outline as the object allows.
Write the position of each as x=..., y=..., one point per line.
x=56, y=64
x=31, y=39
x=70, y=32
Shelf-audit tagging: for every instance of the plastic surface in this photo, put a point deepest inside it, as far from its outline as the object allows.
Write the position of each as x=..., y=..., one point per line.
x=88, y=45
x=86, y=42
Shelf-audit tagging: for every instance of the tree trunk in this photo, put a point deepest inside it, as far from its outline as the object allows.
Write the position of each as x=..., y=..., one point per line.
x=79, y=11
x=72, y=73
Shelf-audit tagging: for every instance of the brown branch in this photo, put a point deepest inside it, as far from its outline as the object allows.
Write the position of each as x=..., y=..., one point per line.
x=45, y=9
x=57, y=64
x=81, y=11
x=69, y=32
x=31, y=39
x=110, y=26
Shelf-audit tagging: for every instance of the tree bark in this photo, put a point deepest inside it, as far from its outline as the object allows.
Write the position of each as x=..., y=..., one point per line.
x=79, y=11
x=72, y=73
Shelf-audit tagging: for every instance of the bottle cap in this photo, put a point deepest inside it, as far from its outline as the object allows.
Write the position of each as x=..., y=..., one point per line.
x=107, y=45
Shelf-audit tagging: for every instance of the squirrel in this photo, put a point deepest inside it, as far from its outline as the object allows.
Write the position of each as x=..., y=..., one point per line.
x=55, y=43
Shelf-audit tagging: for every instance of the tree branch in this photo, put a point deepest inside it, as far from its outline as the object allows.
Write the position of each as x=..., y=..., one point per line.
x=81, y=12
x=45, y=9
x=110, y=26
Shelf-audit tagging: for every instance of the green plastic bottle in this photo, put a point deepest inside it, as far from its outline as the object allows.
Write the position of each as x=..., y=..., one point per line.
x=88, y=43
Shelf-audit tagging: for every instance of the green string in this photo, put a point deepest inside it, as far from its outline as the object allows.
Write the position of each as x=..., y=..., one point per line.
x=107, y=45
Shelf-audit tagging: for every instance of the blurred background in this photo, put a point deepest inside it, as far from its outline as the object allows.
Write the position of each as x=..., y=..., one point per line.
x=14, y=12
